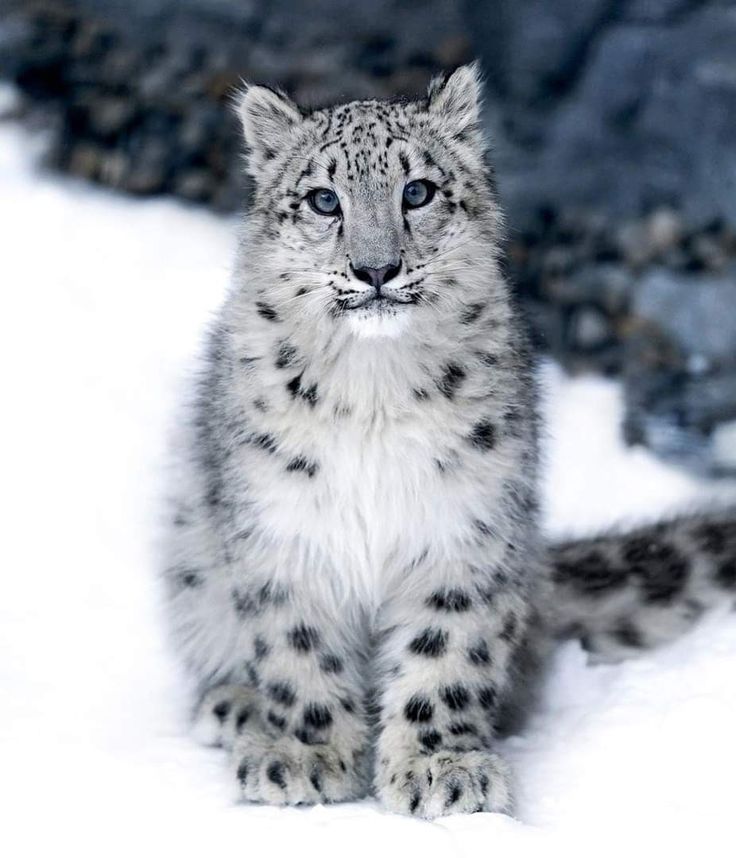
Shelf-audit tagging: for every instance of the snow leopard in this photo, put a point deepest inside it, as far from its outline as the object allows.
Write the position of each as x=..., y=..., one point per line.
x=355, y=570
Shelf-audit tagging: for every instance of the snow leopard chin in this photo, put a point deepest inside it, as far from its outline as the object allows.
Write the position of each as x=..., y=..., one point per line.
x=386, y=323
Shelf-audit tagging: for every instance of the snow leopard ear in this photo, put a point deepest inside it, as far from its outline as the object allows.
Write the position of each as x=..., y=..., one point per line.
x=268, y=117
x=457, y=97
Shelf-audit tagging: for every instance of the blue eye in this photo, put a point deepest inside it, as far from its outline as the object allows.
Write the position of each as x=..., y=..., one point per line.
x=418, y=193
x=324, y=201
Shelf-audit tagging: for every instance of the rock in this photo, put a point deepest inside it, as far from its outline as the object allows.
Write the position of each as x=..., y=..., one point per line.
x=195, y=185
x=723, y=447
x=696, y=312
x=664, y=230
x=588, y=329
x=680, y=367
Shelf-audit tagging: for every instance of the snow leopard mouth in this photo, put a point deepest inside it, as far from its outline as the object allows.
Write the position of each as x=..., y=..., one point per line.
x=377, y=303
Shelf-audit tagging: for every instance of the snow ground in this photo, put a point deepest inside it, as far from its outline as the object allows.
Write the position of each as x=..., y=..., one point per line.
x=103, y=300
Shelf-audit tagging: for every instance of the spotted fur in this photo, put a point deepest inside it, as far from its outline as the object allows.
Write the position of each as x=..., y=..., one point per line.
x=355, y=573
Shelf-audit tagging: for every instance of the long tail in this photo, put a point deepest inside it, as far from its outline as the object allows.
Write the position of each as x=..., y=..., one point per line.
x=622, y=592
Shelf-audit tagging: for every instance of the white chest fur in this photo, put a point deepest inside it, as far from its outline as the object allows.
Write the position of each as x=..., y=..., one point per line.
x=376, y=496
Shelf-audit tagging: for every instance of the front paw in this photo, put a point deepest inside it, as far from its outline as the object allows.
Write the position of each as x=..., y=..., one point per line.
x=287, y=771
x=445, y=782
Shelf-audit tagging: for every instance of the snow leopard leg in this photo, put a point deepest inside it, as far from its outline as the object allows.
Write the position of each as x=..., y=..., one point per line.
x=445, y=659
x=294, y=716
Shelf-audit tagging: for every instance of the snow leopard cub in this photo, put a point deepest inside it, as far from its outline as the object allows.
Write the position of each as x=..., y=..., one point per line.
x=355, y=574
x=356, y=553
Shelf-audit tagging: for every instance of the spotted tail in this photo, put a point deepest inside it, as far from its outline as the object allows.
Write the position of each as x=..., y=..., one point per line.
x=622, y=592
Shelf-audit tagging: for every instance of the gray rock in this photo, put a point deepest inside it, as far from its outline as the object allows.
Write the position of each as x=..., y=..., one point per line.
x=698, y=313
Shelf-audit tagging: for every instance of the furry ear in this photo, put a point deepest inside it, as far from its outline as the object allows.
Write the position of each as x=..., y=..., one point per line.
x=267, y=116
x=457, y=97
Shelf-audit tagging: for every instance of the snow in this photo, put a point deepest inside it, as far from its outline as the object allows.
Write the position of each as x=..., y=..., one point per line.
x=103, y=302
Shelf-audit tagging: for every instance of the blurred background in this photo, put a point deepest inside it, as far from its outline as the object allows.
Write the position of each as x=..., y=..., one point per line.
x=614, y=133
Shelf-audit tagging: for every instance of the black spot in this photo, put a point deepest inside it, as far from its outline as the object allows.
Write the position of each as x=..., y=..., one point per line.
x=189, y=578
x=405, y=165
x=483, y=435
x=590, y=574
x=294, y=386
x=472, y=313
x=318, y=716
x=276, y=773
x=418, y=710
x=628, y=634
x=661, y=572
x=261, y=648
x=431, y=642
x=315, y=780
x=270, y=594
x=242, y=772
x=510, y=627
x=266, y=311
x=286, y=355
x=331, y=663
x=242, y=719
x=487, y=359
x=416, y=797
x=487, y=697
x=462, y=728
x=222, y=710
x=331, y=167
x=265, y=442
x=420, y=393
x=479, y=654
x=243, y=603
x=282, y=692
x=455, y=697
x=431, y=739
x=276, y=720
x=712, y=538
x=483, y=527
x=450, y=599
x=253, y=675
x=639, y=549
x=452, y=377
x=454, y=793
x=726, y=574
x=308, y=737
x=347, y=705
x=303, y=638
x=302, y=465
x=308, y=394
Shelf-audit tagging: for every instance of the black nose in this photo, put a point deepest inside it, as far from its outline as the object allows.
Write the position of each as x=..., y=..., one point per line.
x=377, y=276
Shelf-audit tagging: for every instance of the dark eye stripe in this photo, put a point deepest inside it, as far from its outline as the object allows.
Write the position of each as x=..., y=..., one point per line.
x=324, y=201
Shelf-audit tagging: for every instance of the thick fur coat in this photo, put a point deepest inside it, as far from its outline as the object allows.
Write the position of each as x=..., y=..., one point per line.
x=356, y=575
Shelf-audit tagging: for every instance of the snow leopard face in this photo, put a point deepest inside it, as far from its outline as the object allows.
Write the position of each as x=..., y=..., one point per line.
x=370, y=214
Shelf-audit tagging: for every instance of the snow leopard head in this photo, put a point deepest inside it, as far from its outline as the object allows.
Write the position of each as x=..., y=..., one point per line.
x=371, y=215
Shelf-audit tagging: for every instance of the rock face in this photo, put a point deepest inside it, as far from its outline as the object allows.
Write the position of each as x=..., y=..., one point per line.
x=620, y=104
x=614, y=136
x=681, y=368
